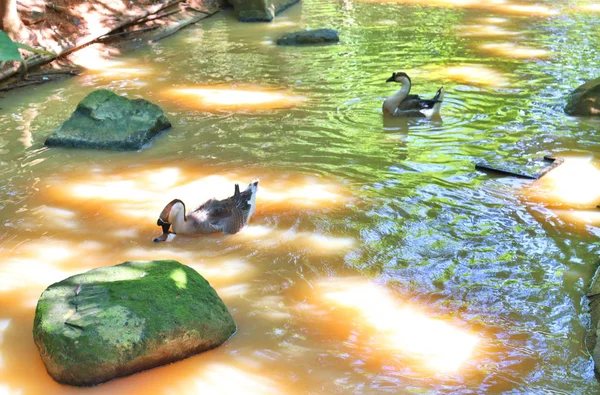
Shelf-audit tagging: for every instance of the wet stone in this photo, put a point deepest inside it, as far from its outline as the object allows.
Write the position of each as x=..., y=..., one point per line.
x=98, y=335
x=106, y=120
x=585, y=100
x=259, y=10
x=308, y=37
x=592, y=336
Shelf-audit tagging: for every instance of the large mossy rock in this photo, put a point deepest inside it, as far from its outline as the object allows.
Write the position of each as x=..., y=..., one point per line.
x=585, y=100
x=115, y=321
x=106, y=120
x=307, y=37
x=259, y=10
x=592, y=336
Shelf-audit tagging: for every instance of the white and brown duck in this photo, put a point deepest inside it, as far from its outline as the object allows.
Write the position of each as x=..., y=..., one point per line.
x=228, y=215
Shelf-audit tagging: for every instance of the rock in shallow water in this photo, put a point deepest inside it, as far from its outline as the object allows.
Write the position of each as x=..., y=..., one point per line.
x=115, y=321
x=592, y=336
x=259, y=10
x=319, y=36
x=106, y=120
x=585, y=100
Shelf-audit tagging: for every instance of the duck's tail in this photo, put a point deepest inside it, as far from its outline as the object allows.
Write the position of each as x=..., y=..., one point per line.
x=435, y=110
x=439, y=96
x=254, y=188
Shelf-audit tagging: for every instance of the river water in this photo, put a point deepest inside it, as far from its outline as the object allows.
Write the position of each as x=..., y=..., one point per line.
x=379, y=259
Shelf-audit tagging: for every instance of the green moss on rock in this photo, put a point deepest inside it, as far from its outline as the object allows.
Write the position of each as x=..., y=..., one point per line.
x=594, y=331
x=310, y=37
x=106, y=120
x=585, y=100
x=114, y=321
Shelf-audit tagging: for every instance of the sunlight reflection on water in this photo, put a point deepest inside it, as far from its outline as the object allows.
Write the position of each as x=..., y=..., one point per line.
x=228, y=98
x=343, y=193
x=575, y=184
x=437, y=344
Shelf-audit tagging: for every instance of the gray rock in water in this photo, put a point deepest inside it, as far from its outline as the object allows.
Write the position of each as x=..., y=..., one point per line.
x=106, y=120
x=591, y=340
x=259, y=10
x=118, y=320
x=585, y=100
x=319, y=36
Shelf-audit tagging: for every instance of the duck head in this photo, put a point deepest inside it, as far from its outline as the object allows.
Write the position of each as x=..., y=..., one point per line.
x=167, y=216
x=400, y=77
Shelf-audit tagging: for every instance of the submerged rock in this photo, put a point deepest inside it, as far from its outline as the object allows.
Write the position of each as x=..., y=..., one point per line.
x=115, y=321
x=259, y=10
x=585, y=100
x=592, y=336
x=106, y=120
x=319, y=36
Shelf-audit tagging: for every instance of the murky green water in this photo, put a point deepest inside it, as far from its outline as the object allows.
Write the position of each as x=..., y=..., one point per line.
x=397, y=204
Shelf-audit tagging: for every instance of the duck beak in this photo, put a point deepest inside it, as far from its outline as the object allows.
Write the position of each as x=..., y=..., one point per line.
x=391, y=79
x=162, y=237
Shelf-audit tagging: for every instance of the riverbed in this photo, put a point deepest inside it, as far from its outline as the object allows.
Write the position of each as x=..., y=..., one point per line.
x=379, y=259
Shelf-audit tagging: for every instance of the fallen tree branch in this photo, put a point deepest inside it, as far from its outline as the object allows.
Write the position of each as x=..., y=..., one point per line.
x=173, y=29
x=56, y=7
x=54, y=72
x=30, y=22
x=145, y=29
x=157, y=16
x=197, y=9
x=29, y=81
x=42, y=59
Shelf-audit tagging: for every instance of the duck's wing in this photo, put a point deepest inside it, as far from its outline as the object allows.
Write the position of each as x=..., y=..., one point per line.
x=213, y=210
x=416, y=103
x=229, y=215
x=236, y=221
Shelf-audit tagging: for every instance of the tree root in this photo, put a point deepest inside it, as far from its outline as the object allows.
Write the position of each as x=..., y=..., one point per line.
x=40, y=78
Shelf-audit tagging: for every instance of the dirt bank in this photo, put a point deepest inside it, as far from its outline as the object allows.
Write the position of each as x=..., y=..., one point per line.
x=103, y=27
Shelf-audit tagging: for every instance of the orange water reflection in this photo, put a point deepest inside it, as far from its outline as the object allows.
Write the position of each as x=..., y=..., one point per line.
x=138, y=196
x=574, y=184
x=571, y=192
x=489, y=5
x=484, y=30
x=468, y=74
x=400, y=327
x=593, y=7
x=227, y=98
x=512, y=50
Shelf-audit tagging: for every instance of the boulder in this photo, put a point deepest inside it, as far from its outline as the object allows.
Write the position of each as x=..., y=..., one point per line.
x=585, y=100
x=259, y=10
x=319, y=36
x=115, y=321
x=592, y=336
x=106, y=120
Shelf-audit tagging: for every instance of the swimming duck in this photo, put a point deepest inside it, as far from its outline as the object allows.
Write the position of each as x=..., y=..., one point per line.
x=227, y=215
x=404, y=105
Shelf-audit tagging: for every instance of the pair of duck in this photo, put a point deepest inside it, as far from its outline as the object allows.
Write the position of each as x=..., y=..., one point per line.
x=232, y=214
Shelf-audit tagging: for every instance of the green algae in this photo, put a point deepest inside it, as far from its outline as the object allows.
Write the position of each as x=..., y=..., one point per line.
x=98, y=325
